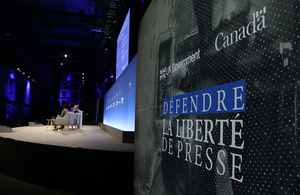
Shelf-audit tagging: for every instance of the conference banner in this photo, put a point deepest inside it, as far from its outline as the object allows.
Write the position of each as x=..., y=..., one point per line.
x=217, y=98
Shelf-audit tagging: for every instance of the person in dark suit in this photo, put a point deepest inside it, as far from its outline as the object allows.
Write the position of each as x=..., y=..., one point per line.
x=74, y=108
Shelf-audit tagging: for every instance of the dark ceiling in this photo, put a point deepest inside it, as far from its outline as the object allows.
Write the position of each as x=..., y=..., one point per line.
x=82, y=29
x=35, y=36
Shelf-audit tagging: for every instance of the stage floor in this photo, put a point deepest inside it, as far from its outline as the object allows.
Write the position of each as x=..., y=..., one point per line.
x=88, y=137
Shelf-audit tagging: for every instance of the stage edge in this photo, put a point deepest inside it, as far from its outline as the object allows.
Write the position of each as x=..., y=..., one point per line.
x=122, y=136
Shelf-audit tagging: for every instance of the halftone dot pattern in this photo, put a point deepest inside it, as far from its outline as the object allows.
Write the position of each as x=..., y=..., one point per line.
x=267, y=57
x=269, y=61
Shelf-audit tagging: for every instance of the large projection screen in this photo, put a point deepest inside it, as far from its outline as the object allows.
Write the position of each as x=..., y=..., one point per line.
x=123, y=46
x=119, y=101
x=217, y=99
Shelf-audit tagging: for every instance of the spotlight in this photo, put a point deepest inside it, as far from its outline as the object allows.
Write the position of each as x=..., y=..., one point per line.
x=23, y=72
x=61, y=64
x=28, y=77
x=18, y=68
x=66, y=55
x=83, y=73
x=82, y=77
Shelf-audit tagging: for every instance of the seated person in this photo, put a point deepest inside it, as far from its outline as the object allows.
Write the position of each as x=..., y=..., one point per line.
x=75, y=108
x=63, y=113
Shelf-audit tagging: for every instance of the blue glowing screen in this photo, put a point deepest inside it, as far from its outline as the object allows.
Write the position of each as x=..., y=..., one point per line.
x=119, y=101
x=123, y=47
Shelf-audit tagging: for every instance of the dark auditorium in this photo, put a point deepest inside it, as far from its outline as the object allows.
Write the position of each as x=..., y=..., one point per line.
x=149, y=97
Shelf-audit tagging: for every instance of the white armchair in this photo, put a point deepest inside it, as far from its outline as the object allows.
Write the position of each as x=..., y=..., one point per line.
x=81, y=112
x=77, y=119
x=67, y=120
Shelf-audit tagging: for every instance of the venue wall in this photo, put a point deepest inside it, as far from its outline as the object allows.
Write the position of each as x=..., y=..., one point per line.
x=217, y=101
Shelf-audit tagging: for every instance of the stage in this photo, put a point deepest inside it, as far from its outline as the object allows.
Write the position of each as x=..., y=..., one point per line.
x=83, y=161
x=87, y=137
